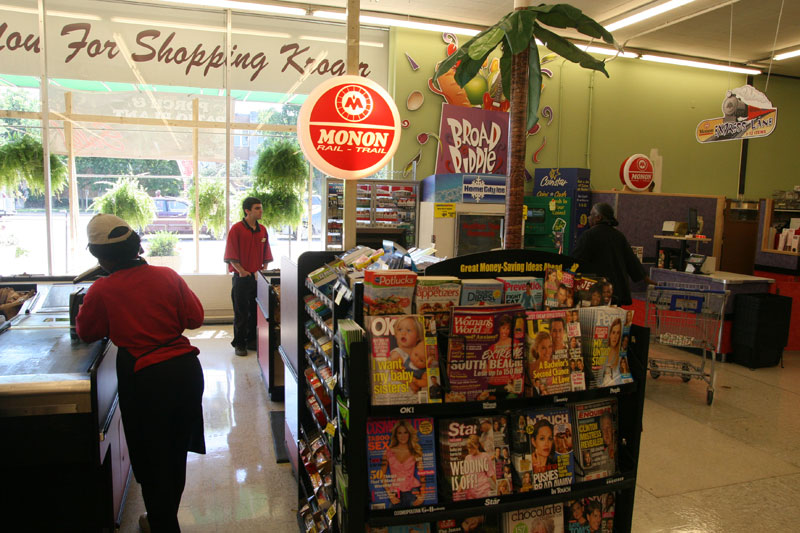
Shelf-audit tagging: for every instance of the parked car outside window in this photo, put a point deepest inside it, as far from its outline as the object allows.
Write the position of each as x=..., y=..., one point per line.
x=172, y=215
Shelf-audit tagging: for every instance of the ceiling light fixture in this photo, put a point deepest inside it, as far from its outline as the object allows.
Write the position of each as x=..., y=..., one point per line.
x=787, y=55
x=646, y=14
x=608, y=51
x=400, y=23
x=700, y=64
x=244, y=6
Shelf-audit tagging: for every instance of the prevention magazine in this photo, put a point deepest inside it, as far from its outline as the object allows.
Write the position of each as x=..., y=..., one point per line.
x=404, y=360
x=485, y=353
x=481, y=292
x=596, y=427
x=541, y=454
x=602, y=333
x=388, y=292
x=470, y=451
x=558, y=289
x=437, y=295
x=548, y=518
x=522, y=290
x=401, y=462
x=553, y=362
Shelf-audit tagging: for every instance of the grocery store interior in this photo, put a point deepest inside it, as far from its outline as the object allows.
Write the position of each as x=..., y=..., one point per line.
x=134, y=101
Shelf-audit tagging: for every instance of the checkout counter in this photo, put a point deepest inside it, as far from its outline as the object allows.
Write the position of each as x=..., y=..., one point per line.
x=63, y=457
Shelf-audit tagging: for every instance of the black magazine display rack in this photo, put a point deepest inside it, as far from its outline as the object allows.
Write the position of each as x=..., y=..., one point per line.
x=348, y=445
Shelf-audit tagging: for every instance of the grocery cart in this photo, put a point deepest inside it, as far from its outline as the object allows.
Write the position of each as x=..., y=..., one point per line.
x=687, y=316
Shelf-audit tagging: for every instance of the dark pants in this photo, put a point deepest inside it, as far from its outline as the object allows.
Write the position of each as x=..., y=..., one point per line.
x=243, y=294
x=162, y=415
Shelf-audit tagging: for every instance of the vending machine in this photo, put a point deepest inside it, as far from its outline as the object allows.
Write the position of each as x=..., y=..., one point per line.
x=547, y=227
x=567, y=183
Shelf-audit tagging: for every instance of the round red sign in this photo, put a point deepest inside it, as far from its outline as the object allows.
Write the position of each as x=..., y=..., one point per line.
x=637, y=172
x=349, y=127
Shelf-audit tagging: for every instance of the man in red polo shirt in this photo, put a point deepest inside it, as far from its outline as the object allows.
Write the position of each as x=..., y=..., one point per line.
x=246, y=252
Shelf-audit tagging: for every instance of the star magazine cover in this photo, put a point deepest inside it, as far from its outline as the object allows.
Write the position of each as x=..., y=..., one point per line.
x=485, y=353
x=401, y=462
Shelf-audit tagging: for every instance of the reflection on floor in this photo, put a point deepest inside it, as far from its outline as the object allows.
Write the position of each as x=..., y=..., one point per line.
x=731, y=467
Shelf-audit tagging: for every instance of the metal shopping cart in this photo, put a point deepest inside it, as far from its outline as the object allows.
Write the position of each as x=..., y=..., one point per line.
x=688, y=316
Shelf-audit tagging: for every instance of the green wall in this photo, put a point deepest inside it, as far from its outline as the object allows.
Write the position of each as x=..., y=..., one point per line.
x=642, y=105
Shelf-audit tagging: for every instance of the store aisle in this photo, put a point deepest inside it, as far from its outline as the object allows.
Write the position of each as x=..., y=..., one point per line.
x=236, y=487
x=731, y=467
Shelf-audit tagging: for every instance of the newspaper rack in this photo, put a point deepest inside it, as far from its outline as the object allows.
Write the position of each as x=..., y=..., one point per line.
x=686, y=316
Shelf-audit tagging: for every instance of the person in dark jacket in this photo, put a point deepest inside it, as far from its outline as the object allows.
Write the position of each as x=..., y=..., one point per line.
x=603, y=250
x=144, y=310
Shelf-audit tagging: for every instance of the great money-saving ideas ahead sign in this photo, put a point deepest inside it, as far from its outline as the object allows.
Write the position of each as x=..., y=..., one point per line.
x=349, y=127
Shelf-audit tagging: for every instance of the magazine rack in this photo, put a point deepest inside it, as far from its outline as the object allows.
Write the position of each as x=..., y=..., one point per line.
x=356, y=490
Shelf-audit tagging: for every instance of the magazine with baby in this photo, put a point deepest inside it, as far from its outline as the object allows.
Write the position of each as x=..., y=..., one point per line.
x=401, y=462
x=553, y=362
x=541, y=448
x=404, y=360
x=485, y=353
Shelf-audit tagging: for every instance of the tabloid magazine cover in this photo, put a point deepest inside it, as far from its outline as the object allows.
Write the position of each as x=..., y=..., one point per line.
x=596, y=430
x=471, y=524
x=558, y=287
x=541, y=454
x=523, y=290
x=553, y=352
x=437, y=295
x=388, y=292
x=591, y=514
x=545, y=519
x=602, y=332
x=471, y=455
x=485, y=353
x=401, y=462
x=481, y=292
x=591, y=291
x=404, y=360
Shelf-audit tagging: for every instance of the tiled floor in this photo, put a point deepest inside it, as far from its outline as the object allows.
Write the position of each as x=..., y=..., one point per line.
x=731, y=467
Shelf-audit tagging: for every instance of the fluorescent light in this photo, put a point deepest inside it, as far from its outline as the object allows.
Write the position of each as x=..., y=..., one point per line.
x=197, y=27
x=700, y=64
x=787, y=55
x=607, y=51
x=646, y=14
x=49, y=13
x=400, y=23
x=244, y=6
x=338, y=41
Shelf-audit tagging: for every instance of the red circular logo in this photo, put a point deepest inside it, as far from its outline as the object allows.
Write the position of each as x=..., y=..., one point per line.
x=637, y=172
x=349, y=127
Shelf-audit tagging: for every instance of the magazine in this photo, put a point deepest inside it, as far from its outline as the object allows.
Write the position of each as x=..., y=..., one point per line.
x=404, y=360
x=413, y=528
x=388, y=292
x=481, y=292
x=470, y=450
x=401, y=462
x=625, y=375
x=558, y=287
x=591, y=291
x=596, y=442
x=542, y=454
x=524, y=291
x=602, y=332
x=485, y=353
x=437, y=295
x=548, y=518
x=472, y=524
x=598, y=514
x=553, y=352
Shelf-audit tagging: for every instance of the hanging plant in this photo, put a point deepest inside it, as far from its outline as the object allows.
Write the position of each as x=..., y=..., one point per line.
x=129, y=201
x=212, y=206
x=22, y=160
x=280, y=176
x=281, y=208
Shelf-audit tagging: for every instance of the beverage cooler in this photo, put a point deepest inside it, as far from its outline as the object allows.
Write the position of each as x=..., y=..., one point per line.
x=379, y=204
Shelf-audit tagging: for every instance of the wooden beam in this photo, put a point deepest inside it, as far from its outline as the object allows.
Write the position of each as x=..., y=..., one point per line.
x=196, y=179
x=74, y=206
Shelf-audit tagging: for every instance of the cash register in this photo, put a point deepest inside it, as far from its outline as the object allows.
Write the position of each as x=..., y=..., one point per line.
x=701, y=264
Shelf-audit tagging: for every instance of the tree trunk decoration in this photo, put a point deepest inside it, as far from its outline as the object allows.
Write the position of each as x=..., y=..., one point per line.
x=517, y=33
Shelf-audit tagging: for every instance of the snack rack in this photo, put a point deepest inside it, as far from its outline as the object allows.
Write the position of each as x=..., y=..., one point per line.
x=686, y=315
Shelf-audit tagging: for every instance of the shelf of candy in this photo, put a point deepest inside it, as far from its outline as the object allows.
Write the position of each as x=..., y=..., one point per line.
x=316, y=514
x=318, y=391
x=321, y=366
x=319, y=313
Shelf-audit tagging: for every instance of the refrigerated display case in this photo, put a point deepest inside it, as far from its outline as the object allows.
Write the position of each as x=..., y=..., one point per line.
x=379, y=204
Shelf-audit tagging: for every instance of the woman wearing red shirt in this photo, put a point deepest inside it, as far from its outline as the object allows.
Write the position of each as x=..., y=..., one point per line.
x=144, y=310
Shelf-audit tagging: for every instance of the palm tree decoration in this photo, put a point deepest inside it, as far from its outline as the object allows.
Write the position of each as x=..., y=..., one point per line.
x=521, y=74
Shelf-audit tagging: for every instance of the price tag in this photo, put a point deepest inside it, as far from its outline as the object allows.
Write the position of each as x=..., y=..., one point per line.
x=444, y=210
x=330, y=429
x=339, y=296
x=524, y=212
x=331, y=512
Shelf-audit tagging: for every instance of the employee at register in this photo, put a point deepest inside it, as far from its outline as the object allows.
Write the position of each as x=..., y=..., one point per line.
x=604, y=250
